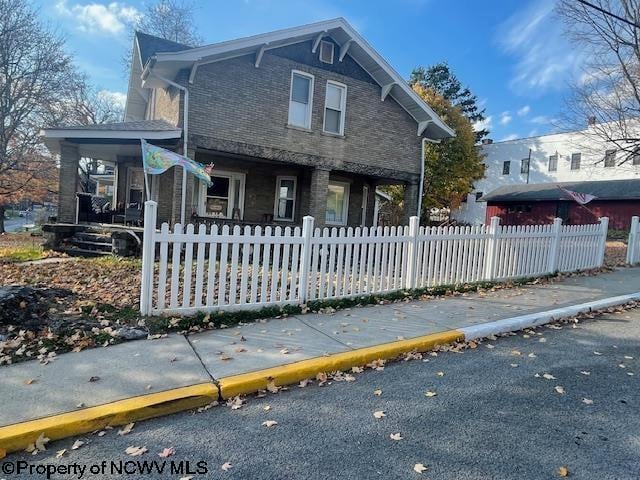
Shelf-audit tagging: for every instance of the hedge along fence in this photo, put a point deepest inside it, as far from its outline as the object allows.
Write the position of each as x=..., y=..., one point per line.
x=184, y=271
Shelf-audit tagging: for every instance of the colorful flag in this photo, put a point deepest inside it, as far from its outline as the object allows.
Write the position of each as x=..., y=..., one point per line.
x=581, y=198
x=157, y=160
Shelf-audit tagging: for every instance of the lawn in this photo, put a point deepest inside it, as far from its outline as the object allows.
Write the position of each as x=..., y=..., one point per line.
x=21, y=247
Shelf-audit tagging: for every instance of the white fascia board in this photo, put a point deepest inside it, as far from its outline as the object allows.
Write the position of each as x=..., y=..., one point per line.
x=110, y=134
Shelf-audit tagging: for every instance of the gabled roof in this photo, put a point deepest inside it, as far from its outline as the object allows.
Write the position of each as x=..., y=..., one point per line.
x=603, y=189
x=149, y=45
x=167, y=64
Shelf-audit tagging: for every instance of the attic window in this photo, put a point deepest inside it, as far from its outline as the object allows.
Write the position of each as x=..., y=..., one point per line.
x=326, y=52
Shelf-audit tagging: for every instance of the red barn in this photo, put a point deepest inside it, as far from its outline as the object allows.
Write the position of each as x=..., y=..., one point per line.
x=541, y=203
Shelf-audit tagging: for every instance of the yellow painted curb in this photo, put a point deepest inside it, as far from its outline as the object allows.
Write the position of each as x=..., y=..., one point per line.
x=18, y=436
x=294, y=372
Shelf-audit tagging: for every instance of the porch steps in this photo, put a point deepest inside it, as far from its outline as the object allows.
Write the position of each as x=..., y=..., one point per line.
x=83, y=252
x=89, y=242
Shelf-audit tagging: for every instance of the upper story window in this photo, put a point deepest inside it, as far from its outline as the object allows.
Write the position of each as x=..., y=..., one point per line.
x=300, y=99
x=524, y=165
x=610, y=158
x=479, y=195
x=576, y=158
x=635, y=159
x=553, y=163
x=285, y=198
x=506, y=167
x=326, y=51
x=335, y=103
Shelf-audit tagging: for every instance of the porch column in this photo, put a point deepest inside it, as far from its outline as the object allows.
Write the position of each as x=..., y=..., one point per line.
x=68, y=182
x=318, y=195
x=410, y=201
x=371, y=205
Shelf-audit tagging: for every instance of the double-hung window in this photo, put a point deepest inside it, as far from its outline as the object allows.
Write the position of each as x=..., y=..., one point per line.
x=300, y=99
x=576, y=159
x=553, y=163
x=285, y=198
x=337, y=203
x=506, y=167
x=335, y=102
x=610, y=159
x=524, y=165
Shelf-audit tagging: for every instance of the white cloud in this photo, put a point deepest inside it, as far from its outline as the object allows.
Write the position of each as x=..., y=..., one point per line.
x=483, y=124
x=544, y=57
x=524, y=111
x=512, y=136
x=96, y=17
x=505, y=118
x=117, y=97
x=542, y=120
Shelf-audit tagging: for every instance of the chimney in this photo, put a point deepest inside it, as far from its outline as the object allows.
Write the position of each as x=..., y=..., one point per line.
x=487, y=141
x=591, y=120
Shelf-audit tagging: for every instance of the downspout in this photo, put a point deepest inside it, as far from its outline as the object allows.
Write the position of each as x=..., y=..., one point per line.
x=185, y=132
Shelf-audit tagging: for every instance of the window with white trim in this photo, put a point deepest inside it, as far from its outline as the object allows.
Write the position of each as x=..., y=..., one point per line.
x=335, y=102
x=225, y=198
x=337, y=203
x=326, y=51
x=284, y=208
x=300, y=99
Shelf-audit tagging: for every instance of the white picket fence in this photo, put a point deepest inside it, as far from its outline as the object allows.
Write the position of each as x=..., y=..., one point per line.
x=184, y=271
x=633, y=245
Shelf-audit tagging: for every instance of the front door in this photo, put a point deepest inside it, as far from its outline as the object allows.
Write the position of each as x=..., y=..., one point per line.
x=562, y=211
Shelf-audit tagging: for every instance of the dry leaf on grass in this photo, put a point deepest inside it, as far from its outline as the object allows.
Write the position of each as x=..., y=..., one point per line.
x=135, y=451
x=419, y=468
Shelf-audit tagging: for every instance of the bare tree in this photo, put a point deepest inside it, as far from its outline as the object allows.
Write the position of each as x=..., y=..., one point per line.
x=608, y=92
x=172, y=20
x=36, y=76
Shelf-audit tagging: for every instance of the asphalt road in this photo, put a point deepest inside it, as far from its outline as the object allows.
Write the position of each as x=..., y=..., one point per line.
x=492, y=418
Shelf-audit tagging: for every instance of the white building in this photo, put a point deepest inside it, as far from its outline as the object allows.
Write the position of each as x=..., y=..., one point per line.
x=563, y=157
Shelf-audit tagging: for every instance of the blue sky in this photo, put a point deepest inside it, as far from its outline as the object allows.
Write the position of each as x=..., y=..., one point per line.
x=512, y=54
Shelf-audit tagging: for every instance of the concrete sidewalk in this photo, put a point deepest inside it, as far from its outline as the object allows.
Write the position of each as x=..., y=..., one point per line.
x=31, y=391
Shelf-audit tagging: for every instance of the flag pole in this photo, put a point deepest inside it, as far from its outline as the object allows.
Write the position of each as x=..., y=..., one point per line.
x=587, y=209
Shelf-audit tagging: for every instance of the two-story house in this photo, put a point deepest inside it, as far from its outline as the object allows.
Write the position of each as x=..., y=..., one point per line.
x=301, y=121
x=526, y=180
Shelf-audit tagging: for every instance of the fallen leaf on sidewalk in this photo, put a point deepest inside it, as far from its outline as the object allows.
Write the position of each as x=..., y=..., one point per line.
x=357, y=369
x=225, y=358
x=95, y=378
x=587, y=401
x=584, y=372
x=597, y=353
x=135, y=451
x=559, y=389
x=395, y=436
x=80, y=405
x=226, y=466
x=419, y=468
x=548, y=376
x=377, y=392
x=429, y=393
x=127, y=429
x=167, y=452
x=379, y=414
x=30, y=381
x=440, y=374
x=272, y=387
x=563, y=471
x=235, y=403
x=304, y=383
x=269, y=423
x=490, y=346
x=516, y=352
x=321, y=377
x=77, y=444
x=284, y=351
x=532, y=355
x=60, y=453
x=266, y=408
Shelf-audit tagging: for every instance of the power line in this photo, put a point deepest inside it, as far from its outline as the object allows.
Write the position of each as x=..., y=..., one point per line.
x=606, y=12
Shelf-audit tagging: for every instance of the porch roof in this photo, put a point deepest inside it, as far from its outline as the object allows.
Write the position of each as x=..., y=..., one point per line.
x=109, y=140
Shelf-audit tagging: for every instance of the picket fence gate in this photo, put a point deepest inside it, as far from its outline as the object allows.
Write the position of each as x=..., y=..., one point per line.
x=185, y=271
x=633, y=245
